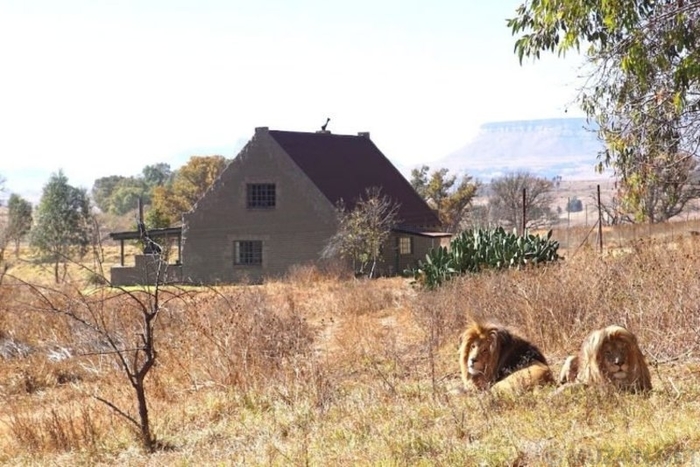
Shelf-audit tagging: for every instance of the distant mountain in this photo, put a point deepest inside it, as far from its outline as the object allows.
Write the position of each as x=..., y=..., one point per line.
x=563, y=147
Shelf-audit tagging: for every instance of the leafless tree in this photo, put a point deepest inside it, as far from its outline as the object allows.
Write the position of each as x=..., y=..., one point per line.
x=121, y=322
x=363, y=230
x=506, y=201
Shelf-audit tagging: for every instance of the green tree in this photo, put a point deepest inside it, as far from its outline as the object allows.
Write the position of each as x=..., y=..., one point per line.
x=19, y=219
x=63, y=223
x=450, y=201
x=506, y=201
x=156, y=219
x=126, y=193
x=642, y=89
x=458, y=204
x=419, y=181
x=157, y=174
x=363, y=231
x=118, y=195
x=188, y=185
x=102, y=190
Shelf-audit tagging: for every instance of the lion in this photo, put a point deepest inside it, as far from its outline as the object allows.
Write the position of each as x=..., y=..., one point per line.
x=493, y=357
x=609, y=356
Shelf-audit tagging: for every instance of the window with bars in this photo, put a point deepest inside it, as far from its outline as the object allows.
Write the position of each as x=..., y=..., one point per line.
x=405, y=245
x=247, y=252
x=260, y=195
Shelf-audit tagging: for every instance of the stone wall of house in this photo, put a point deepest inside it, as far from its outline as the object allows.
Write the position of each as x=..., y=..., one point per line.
x=394, y=263
x=295, y=231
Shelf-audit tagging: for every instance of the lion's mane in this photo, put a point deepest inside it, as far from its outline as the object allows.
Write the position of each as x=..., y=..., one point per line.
x=512, y=362
x=590, y=368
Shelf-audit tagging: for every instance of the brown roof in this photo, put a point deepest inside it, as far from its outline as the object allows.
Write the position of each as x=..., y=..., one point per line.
x=343, y=166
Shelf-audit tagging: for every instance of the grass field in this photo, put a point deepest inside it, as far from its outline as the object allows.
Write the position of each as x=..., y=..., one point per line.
x=316, y=369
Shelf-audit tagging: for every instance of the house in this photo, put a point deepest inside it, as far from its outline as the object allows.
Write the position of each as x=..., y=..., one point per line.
x=275, y=206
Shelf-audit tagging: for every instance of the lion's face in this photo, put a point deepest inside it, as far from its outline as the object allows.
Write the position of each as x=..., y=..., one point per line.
x=615, y=355
x=612, y=355
x=476, y=354
x=479, y=356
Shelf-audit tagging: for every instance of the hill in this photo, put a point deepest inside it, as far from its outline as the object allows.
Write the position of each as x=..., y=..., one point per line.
x=565, y=147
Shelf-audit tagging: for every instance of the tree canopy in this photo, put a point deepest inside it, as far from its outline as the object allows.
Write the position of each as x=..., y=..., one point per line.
x=157, y=174
x=642, y=89
x=188, y=185
x=102, y=190
x=63, y=222
x=19, y=219
x=441, y=191
x=506, y=201
x=118, y=195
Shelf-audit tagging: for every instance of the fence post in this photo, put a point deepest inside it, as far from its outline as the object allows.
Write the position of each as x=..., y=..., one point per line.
x=524, y=214
x=600, y=223
x=568, y=219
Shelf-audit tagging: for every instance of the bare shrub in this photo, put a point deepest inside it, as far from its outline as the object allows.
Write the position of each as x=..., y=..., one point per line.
x=646, y=290
x=242, y=336
x=122, y=322
x=304, y=274
x=360, y=297
x=35, y=373
x=327, y=270
x=56, y=430
x=374, y=337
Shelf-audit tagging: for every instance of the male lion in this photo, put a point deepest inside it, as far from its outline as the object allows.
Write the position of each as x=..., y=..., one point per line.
x=609, y=356
x=494, y=357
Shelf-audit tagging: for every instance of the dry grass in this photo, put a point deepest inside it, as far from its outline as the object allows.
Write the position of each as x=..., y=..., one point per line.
x=318, y=369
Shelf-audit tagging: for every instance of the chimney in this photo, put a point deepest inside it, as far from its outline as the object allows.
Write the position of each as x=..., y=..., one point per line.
x=261, y=129
x=364, y=134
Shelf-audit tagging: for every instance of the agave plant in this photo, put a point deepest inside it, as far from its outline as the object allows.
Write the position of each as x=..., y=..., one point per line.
x=472, y=251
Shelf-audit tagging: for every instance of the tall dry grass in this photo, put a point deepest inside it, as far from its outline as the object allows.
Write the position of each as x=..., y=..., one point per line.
x=321, y=369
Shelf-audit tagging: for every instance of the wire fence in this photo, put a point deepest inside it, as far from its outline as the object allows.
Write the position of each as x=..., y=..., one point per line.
x=620, y=236
x=592, y=227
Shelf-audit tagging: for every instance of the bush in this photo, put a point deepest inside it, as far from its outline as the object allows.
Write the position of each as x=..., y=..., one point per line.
x=474, y=250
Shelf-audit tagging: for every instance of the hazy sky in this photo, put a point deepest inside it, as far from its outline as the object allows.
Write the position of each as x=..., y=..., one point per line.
x=100, y=88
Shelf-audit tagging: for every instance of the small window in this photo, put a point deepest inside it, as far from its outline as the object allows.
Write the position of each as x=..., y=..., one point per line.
x=260, y=195
x=405, y=245
x=247, y=252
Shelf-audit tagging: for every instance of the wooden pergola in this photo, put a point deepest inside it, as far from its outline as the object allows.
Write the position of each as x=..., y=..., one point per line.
x=153, y=234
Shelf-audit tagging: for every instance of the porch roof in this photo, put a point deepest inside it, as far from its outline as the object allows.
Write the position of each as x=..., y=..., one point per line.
x=153, y=233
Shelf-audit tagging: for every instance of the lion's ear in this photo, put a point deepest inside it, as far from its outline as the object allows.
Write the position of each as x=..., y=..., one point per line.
x=493, y=338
